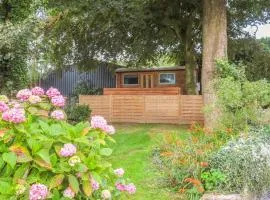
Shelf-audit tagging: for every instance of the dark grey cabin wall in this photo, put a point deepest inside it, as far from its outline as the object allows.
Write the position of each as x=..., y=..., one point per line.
x=66, y=79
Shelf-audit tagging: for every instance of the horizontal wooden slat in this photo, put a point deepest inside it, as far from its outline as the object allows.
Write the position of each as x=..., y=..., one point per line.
x=142, y=91
x=150, y=108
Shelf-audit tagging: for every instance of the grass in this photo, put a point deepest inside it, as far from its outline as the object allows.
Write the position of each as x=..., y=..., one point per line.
x=133, y=150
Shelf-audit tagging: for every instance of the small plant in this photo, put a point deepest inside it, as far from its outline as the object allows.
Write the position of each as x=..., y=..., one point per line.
x=77, y=113
x=212, y=179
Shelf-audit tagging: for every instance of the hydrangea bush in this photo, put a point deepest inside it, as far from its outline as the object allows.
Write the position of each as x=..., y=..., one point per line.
x=45, y=157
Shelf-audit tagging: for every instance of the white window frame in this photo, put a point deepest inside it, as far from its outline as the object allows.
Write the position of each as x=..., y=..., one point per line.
x=167, y=83
x=130, y=75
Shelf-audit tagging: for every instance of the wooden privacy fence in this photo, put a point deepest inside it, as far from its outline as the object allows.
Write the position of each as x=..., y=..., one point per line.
x=174, y=109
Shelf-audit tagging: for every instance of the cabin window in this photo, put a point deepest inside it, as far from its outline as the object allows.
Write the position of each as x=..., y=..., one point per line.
x=167, y=78
x=131, y=79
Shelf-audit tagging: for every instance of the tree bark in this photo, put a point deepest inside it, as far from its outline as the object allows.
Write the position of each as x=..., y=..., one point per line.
x=190, y=61
x=214, y=47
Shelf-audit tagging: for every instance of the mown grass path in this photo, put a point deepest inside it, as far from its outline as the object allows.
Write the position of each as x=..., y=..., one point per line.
x=133, y=152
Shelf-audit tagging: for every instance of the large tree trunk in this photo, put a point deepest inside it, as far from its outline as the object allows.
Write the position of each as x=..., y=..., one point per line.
x=214, y=47
x=190, y=61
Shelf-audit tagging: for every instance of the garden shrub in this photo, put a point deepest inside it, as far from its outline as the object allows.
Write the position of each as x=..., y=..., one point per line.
x=45, y=157
x=245, y=163
x=83, y=88
x=77, y=113
x=183, y=161
x=240, y=102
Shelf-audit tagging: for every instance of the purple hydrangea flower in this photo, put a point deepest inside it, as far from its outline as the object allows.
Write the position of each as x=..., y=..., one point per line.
x=58, y=115
x=52, y=92
x=24, y=94
x=109, y=129
x=14, y=115
x=68, y=193
x=130, y=188
x=98, y=122
x=3, y=106
x=121, y=187
x=38, y=191
x=58, y=101
x=37, y=91
x=119, y=172
x=68, y=150
x=95, y=184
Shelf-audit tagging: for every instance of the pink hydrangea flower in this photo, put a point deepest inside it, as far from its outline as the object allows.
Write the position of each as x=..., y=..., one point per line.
x=106, y=194
x=120, y=187
x=68, y=150
x=109, y=129
x=24, y=94
x=98, y=122
x=95, y=184
x=68, y=193
x=34, y=99
x=58, y=101
x=14, y=115
x=3, y=106
x=38, y=191
x=119, y=172
x=37, y=91
x=52, y=92
x=58, y=115
x=130, y=188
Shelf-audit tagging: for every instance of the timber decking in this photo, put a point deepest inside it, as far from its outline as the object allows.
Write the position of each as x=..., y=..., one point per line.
x=173, y=109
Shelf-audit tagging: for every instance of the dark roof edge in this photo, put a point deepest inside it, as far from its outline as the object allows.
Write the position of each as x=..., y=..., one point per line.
x=150, y=69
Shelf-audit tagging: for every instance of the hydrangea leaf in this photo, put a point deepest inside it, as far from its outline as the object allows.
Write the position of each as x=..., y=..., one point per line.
x=21, y=152
x=56, y=181
x=105, y=151
x=10, y=158
x=73, y=183
x=87, y=188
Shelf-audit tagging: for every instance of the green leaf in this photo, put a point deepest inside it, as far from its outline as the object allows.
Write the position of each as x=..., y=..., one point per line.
x=87, y=188
x=21, y=152
x=96, y=176
x=44, y=154
x=10, y=158
x=56, y=181
x=73, y=183
x=44, y=126
x=32, y=110
x=45, y=106
x=106, y=151
x=56, y=130
x=6, y=187
x=19, y=173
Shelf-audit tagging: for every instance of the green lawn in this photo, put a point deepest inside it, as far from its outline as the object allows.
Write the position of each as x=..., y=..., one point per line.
x=132, y=151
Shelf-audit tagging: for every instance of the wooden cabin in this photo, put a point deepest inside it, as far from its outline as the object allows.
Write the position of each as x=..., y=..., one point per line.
x=153, y=78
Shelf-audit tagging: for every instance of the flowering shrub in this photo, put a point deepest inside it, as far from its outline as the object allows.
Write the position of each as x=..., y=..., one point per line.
x=183, y=161
x=245, y=163
x=45, y=157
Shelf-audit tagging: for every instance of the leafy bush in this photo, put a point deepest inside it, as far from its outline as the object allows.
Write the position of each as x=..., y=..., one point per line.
x=241, y=102
x=245, y=163
x=182, y=161
x=83, y=88
x=44, y=157
x=77, y=113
